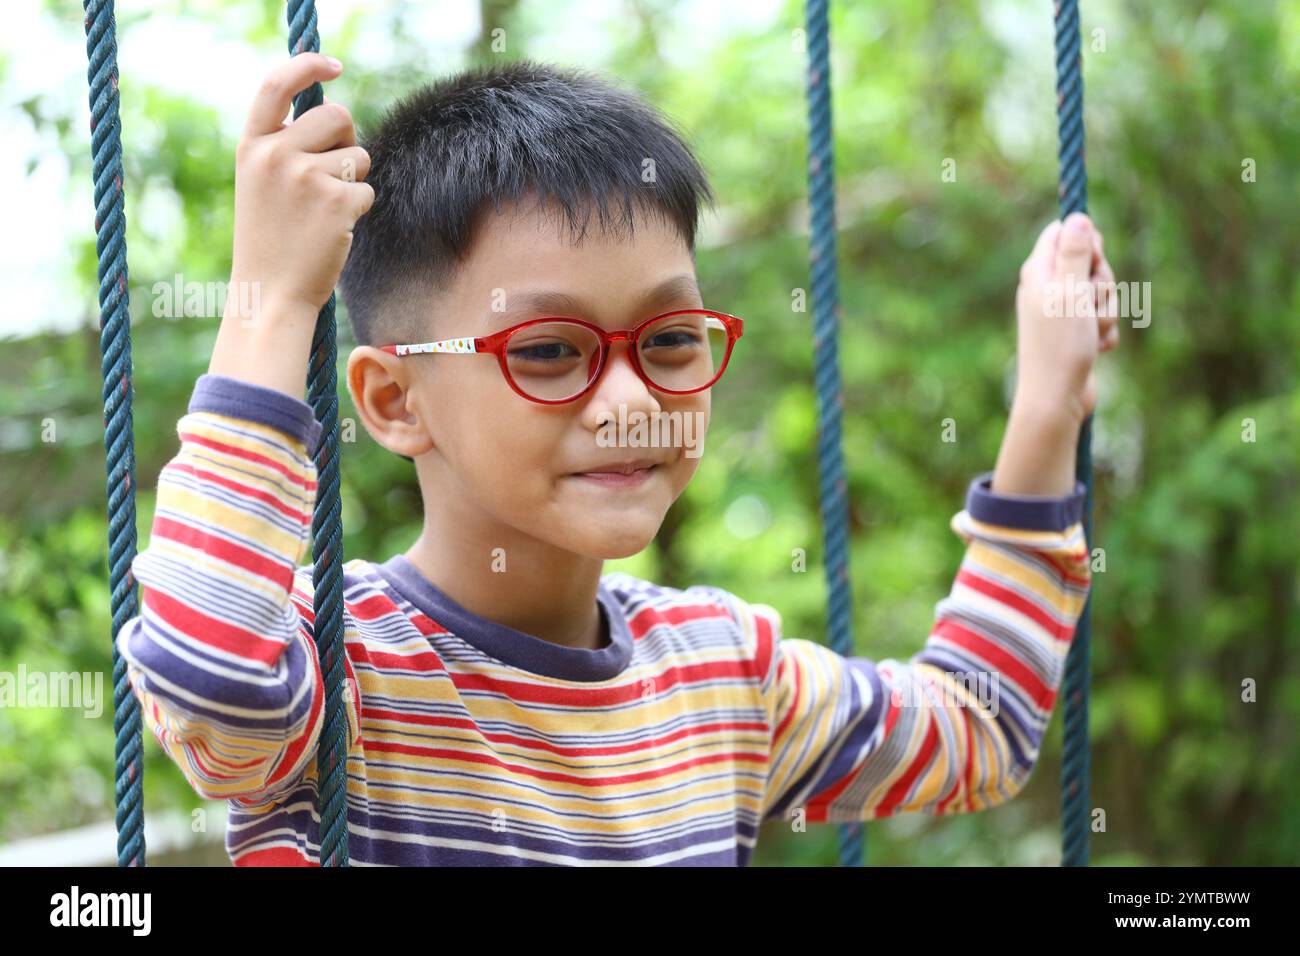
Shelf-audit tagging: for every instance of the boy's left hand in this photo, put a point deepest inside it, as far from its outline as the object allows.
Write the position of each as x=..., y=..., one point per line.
x=1065, y=316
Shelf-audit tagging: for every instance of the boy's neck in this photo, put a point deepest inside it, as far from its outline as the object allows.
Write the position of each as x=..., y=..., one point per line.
x=541, y=591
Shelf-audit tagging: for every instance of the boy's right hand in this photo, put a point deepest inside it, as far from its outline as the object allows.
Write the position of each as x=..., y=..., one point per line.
x=299, y=191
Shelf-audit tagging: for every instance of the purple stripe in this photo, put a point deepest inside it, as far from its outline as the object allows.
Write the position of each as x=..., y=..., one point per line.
x=153, y=659
x=225, y=395
x=1030, y=512
x=246, y=830
x=392, y=851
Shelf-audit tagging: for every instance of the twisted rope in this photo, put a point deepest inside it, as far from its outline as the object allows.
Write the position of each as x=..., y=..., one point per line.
x=830, y=397
x=327, y=520
x=119, y=441
x=1074, y=197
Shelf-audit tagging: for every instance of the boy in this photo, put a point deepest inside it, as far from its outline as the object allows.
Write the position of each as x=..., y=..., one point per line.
x=553, y=714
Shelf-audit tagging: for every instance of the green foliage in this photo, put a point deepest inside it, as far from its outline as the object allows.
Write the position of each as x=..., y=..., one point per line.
x=1197, y=521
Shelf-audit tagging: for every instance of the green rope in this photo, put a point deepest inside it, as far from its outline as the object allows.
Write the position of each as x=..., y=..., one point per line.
x=327, y=521
x=1074, y=687
x=119, y=430
x=830, y=396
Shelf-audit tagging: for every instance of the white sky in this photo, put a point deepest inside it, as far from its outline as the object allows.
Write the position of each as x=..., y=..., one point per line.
x=203, y=55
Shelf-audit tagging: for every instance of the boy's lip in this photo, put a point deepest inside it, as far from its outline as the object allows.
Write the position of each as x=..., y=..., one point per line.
x=620, y=467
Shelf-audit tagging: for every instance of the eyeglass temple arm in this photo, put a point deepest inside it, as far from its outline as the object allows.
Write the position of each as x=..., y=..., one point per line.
x=445, y=345
x=713, y=322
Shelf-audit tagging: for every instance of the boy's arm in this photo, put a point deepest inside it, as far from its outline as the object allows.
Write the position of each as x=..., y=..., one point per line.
x=221, y=656
x=958, y=727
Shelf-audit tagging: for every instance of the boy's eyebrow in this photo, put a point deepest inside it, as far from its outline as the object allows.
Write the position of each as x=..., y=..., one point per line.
x=561, y=303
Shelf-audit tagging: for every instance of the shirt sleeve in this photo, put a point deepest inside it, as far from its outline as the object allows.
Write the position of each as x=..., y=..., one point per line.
x=958, y=727
x=222, y=657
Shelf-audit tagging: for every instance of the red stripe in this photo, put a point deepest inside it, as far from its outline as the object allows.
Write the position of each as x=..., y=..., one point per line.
x=190, y=746
x=892, y=710
x=898, y=792
x=273, y=856
x=210, y=630
x=794, y=702
x=819, y=806
x=428, y=720
x=442, y=753
x=647, y=617
x=943, y=804
x=765, y=632
x=194, y=438
x=675, y=677
x=212, y=760
x=669, y=680
x=1060, y=630
x=304, y=603
x=299, y=744
x=278, y=572
x=1000, y=659
x=248, y=491
x=425, y=661
x=1066, y=567
x=373, y=607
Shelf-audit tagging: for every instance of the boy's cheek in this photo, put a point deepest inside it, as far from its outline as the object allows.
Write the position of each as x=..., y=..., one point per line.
x=683, y=471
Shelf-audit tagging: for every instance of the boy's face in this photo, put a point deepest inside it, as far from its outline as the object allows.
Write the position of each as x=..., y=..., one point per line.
x=505, y=465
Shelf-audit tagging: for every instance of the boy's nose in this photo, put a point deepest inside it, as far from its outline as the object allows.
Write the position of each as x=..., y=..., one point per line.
x=619, y=386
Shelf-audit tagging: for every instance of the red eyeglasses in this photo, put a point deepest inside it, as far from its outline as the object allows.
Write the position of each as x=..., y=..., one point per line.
x=557, y=360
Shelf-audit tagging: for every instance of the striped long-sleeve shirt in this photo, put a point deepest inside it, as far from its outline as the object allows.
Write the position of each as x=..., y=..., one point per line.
x=473, y=743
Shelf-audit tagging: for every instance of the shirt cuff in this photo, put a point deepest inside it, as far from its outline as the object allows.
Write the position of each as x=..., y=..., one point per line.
x=1031, y=512
x=257, y=403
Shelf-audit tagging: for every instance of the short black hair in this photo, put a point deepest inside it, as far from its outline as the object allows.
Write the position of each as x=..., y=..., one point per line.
x=499, y=133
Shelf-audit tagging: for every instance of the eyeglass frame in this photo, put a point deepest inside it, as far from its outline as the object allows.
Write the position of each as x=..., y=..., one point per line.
x=495, y=344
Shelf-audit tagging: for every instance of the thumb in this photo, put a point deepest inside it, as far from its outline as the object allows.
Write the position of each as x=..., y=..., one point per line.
x=1074, y=249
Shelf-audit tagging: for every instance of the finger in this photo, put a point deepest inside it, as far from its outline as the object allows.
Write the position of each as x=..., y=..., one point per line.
x=350, y=164
x=1046, y=238
x=1108, y=311
x=275, y=96
x=362, y=196
x=1107, y=300
x=1098, y=254
x=323, y=128
x=1074, y=249
x=1042, y=251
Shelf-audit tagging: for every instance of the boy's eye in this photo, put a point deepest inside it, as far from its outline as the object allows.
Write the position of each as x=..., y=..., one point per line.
x=545, y=352
x=672, y=339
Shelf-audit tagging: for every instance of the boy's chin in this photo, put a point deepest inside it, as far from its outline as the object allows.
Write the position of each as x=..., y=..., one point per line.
x=617, y=540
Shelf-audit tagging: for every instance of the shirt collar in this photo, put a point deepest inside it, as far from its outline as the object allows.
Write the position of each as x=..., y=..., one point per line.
x=512, y=647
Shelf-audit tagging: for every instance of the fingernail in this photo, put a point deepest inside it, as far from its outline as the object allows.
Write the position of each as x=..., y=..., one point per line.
x=333, y=62
x=1078, y=224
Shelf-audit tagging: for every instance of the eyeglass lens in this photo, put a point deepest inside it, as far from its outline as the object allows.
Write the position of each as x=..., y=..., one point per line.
x=556, y=360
